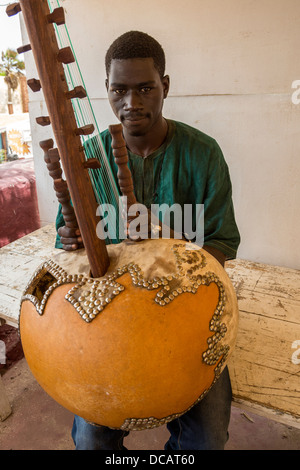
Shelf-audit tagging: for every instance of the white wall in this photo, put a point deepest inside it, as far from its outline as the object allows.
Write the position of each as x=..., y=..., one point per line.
x=232, y=64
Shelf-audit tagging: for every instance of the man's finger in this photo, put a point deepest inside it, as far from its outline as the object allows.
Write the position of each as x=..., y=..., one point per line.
x=70, y=241
x=70, y=247
x=68, y=232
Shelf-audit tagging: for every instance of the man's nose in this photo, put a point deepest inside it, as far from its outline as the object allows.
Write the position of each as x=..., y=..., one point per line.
x=133, y=101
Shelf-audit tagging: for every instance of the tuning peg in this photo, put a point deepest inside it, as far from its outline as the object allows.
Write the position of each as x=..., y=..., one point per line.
x=52, y=159
x=92, y=163
x=13, y=9
x=46, y=145
x=34, y=84
x=43, y=120
x=25, y=48
x=85, y=130
x=53, y=155
x=61, y=186
x=78, y=92
x=54, y=169
x=65, y=55
x=57, y=16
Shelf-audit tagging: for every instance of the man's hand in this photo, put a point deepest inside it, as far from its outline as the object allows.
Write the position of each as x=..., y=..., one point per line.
x=139, y=231
x=146, y=225
x=70, y=238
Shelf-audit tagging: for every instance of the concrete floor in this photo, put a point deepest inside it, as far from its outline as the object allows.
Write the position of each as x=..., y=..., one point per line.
x=39, y=423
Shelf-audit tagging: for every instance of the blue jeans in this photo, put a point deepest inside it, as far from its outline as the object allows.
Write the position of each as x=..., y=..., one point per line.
x=203, y=427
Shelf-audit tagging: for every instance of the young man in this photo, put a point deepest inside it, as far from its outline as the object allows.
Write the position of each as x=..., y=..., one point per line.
x=171, y=163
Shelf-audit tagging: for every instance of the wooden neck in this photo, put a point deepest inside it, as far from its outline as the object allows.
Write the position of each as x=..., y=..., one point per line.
x=49, y=59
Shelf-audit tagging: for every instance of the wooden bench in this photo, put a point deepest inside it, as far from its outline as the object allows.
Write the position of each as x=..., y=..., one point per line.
x=264, y=367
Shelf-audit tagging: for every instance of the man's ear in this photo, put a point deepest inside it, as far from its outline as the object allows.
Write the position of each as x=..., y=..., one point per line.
x=166, y=85
x=106, y=84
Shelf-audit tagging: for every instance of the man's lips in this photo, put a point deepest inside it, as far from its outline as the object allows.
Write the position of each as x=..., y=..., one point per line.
x=133, y=118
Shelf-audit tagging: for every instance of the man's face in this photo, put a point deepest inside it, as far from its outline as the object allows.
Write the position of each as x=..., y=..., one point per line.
x=136, y=93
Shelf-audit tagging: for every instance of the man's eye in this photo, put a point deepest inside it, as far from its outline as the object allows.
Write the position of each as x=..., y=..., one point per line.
x=145, y=89
x=119, y=91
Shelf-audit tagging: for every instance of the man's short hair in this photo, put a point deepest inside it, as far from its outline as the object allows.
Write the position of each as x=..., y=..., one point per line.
x=136, y=45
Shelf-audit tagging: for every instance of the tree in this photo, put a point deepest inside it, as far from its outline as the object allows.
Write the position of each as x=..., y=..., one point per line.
x=12, y=68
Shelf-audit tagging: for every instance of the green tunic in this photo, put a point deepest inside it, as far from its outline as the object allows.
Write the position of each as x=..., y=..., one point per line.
x=189, y=168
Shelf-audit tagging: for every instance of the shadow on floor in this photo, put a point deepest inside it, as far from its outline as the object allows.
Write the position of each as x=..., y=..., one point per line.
x=39, y=423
